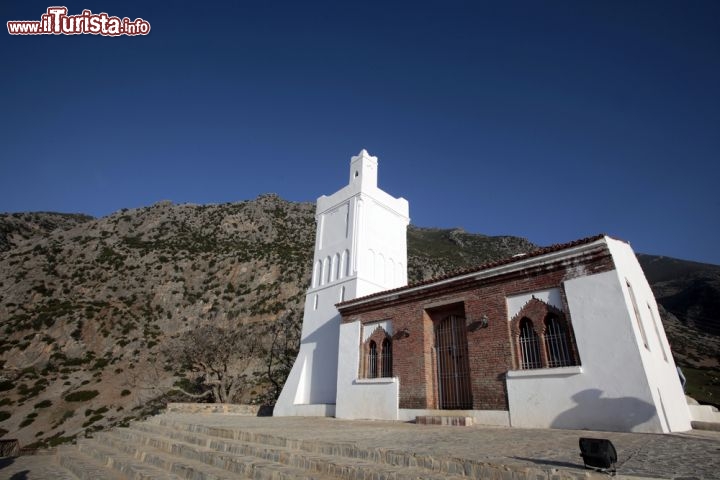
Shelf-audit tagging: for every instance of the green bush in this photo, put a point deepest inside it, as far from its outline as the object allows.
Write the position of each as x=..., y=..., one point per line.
x=92, y=420
x=125, y=393
x=81, y=396
x=4, y=415
x=26, y=422
x=6, y=385
x=43, y=404
x=66, y=415
x=100, y=363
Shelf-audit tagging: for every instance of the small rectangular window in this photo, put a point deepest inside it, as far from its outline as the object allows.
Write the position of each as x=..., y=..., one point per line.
x=657, y=332
x=638, y=318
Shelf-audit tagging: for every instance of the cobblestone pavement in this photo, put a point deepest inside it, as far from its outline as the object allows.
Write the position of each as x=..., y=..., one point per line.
x=692, y=455
x=686, y=456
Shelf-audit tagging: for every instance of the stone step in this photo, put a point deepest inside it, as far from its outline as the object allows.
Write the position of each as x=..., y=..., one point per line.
x=712, y=426
x=174, y=446
x=299, y=463
x=165, y=452
x=128, y=467
x=82, y=466
x=345, y=461
x=448, y=420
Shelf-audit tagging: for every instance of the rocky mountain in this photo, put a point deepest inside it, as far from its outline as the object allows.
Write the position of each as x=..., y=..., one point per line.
x=87, y=305
x=688, y=294
x=17, y=227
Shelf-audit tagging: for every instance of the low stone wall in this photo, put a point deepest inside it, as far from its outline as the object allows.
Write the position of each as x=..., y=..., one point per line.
x=9, y=447
x=704, y=413
x=225, y=408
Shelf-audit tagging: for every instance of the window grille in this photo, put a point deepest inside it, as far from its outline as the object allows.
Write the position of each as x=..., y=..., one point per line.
x=529, y=348
x=556, y=342
x=372, y=360
x=386, y=359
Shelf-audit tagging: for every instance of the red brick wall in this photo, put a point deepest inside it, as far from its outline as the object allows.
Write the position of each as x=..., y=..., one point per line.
x=490, y=349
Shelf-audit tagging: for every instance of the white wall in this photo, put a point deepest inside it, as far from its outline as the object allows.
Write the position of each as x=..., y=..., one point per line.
x=620, y=383
x=376, y=398
x=312, y=378
x=661, y=371
x=610, y=390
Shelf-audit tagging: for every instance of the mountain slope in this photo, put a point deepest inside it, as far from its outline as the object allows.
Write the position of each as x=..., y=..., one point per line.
x=87, y=308
x=16, y=227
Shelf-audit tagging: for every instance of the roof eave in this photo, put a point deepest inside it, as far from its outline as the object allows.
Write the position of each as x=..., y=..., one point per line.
x=479, y=274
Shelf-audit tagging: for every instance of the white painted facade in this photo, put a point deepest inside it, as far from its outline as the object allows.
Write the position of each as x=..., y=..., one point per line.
x=627, y=379
x=360, y=248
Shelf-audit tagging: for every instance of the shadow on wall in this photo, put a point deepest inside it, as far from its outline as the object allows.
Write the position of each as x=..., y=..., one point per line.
x=322, y=372
x=597, y=413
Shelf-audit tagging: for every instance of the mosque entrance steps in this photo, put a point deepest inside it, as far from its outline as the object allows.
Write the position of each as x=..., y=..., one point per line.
x=206, y=446
x=165, y=447
x=448, y=420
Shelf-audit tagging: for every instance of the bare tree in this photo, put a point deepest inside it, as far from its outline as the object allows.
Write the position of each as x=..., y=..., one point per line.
x=221, y=357
x=280, y=352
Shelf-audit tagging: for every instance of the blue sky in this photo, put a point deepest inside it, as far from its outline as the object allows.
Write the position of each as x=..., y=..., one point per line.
x=550, y=120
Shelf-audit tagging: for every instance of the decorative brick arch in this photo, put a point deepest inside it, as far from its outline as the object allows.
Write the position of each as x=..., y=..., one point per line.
x=382, y=342
x=540, y=314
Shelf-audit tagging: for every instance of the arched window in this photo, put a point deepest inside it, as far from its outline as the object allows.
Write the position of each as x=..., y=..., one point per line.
x=386, y=359
x=327, y=266
x=317, y=271
x=380, y=269
x=335, y=270
x=369, y=263
x=556, y=343
x=343, y=265
x=372, y=361
x=529, y=348
x=346, y=263
x=543, y=337
x=325, y=271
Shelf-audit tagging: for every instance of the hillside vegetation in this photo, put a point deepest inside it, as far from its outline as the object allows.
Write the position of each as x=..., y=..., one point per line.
x=88, y=306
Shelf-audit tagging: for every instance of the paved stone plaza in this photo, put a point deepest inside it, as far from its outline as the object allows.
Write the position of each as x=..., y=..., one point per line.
x=692, y=455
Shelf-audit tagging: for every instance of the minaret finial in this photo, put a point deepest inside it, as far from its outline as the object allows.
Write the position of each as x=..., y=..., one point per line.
x=363, y=170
